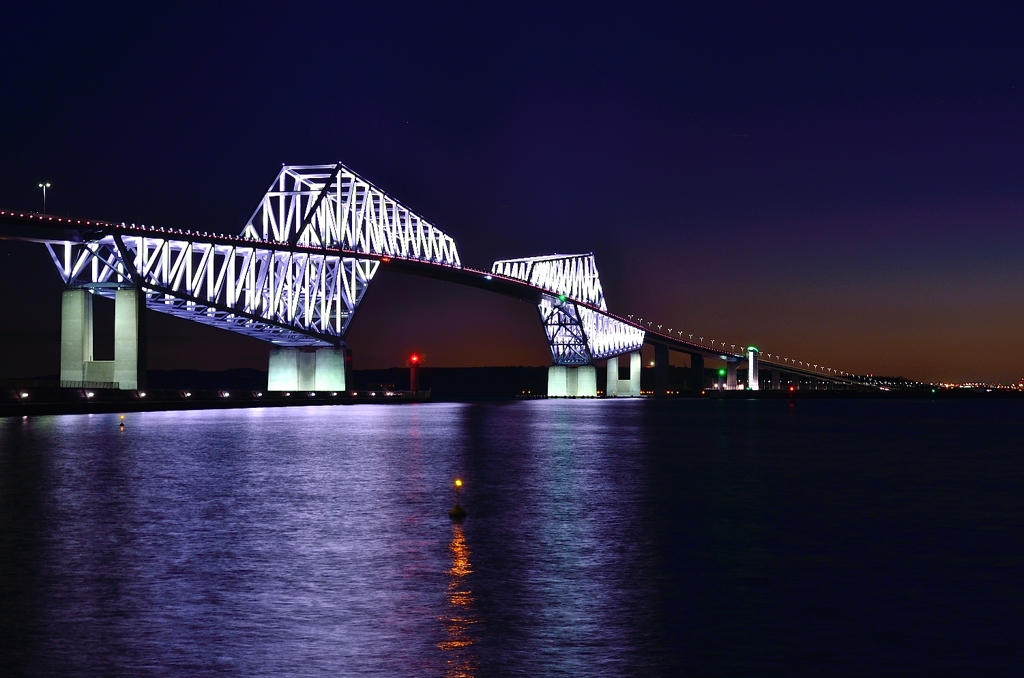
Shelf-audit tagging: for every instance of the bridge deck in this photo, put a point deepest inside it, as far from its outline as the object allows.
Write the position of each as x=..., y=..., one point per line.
x=44, y=228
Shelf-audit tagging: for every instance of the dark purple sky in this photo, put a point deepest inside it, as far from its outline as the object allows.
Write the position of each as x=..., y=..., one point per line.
x=838, y=184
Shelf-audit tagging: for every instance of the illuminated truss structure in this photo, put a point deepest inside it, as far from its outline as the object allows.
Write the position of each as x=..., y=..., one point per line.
x=332, y=206
x=574, y=315
x=277, y=282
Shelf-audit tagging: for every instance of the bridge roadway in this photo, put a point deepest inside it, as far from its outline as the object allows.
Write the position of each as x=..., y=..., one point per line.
x=44, y=228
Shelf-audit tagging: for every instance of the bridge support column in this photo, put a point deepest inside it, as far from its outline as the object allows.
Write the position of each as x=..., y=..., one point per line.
x=660, y=370
x=752, y=380
x=127, y=371
x=730, y=379
x=696, y=373
x=330, y=369
x=572, y=382
x=292, y=369
x=776, y=380
x=75, y=335
x=130, y=339
x=623, y=388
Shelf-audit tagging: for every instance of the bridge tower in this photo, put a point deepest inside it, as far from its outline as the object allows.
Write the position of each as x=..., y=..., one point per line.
x=578, y=329
x=78, y=369
x=624, y=387
x=752, y=381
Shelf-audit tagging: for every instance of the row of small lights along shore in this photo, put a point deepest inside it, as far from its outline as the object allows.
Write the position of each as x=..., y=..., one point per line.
x=827, y=371
x=86, y=393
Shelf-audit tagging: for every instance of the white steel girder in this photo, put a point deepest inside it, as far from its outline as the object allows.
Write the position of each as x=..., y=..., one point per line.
x=287, y=298
x=332, y=206
x=290, y=298
x=575, y=319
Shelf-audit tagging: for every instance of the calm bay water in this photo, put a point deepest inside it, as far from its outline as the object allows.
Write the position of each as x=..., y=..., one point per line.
x=603, y=538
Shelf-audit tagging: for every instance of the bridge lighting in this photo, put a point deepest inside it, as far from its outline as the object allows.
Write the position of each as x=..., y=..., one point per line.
x=142, y=394
x=561, y=297
x=487, y=277
x=24, y=395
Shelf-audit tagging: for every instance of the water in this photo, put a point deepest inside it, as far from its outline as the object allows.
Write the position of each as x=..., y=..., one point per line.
x=603, y=538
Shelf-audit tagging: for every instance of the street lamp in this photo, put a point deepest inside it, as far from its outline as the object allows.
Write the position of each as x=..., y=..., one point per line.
x=45, y=185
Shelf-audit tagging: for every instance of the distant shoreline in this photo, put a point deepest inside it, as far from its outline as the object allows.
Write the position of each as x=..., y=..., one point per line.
x=70, y=401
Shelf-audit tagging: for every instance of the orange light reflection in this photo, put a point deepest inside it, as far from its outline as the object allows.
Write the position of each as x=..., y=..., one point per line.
x=459, y=617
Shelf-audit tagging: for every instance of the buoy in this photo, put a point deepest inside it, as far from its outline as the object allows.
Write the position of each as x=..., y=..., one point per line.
x=122, y=423
x=457, y=512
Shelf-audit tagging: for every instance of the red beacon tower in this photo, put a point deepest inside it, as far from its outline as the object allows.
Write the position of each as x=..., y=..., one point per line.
x=414, y=363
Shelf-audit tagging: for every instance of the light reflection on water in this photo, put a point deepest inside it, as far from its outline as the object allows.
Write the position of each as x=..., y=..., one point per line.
x=603, y=538
x=459, y=616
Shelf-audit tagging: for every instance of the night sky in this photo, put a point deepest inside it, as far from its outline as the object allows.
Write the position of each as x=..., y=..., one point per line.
x=839, y=184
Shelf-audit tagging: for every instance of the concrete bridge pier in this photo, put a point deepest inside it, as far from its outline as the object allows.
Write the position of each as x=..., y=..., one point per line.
x=696, y=372
x=776, y=380
x=623, y=388
x=660, y=370
x=293, y=369
x=752, y=380
x=567, y=381
x=730, y=379
x=127, y=371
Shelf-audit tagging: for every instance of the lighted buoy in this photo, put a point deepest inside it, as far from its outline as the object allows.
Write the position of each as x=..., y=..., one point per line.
x=122, y=422
x=457, y=512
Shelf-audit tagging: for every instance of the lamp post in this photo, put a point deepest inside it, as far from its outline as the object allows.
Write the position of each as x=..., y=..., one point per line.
x=45, y=185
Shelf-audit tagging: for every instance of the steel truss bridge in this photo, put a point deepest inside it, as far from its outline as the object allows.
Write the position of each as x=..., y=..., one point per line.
x=298, y=270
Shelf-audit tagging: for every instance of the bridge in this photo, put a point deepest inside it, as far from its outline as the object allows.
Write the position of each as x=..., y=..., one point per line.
x=295, y=276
